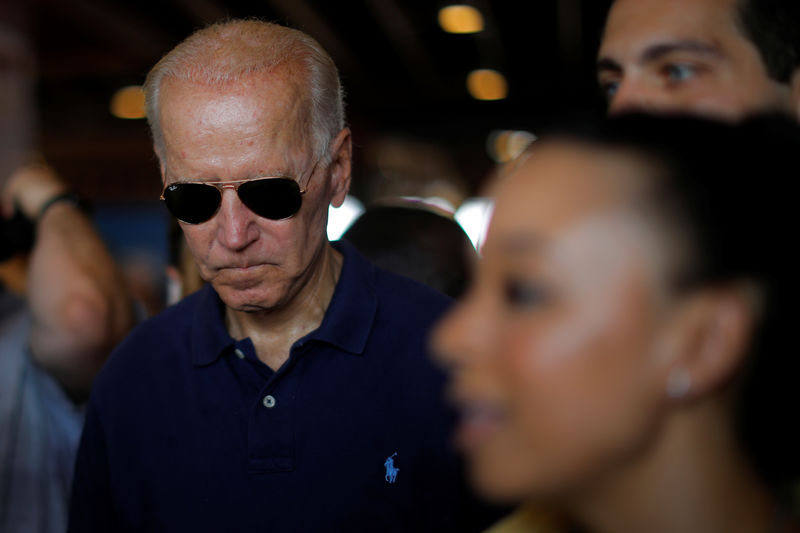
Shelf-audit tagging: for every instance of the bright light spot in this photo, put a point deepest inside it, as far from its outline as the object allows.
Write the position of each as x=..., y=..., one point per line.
x=460, y=19
x=440, y=203
x=505, y=145
x=340, y=218
x=474, y=216
x=437, y=203
x=128, y=102
x=487, y=84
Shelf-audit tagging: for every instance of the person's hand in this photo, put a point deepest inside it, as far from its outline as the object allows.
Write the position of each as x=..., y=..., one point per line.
x=29, y=188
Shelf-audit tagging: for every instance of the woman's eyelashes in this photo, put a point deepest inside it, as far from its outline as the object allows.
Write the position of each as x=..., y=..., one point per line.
x=524, y=294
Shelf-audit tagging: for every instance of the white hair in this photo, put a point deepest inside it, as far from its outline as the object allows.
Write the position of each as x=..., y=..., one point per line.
x=227, y=52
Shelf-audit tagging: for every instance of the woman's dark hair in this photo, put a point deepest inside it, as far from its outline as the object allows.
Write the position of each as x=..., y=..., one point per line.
x=726, y=189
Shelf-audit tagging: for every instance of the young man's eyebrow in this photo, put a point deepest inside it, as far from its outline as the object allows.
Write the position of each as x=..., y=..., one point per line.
x=605, y=64
x=657, y=51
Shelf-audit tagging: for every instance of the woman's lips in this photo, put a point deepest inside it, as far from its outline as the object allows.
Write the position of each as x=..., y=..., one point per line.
x=478, y=422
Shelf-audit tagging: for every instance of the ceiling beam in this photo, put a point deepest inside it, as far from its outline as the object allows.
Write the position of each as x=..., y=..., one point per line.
x=112, y=23
x=303, y=16
x=203, y=12
x=406, y=42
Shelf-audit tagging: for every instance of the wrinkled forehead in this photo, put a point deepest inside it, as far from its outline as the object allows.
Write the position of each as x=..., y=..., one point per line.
x=635, y=24
x=275, y=96
x=269, y=110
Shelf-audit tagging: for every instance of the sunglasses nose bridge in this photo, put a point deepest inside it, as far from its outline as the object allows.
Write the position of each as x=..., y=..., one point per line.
x=234, y=187
x=234, y=220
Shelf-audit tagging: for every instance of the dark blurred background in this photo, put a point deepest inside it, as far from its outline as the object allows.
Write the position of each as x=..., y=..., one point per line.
x=417, y=129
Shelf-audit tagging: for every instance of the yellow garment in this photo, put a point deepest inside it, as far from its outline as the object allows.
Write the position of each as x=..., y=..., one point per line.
x=527, y=519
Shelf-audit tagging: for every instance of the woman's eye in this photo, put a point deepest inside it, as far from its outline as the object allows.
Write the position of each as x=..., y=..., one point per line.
x=680, y=72
x=524, y=294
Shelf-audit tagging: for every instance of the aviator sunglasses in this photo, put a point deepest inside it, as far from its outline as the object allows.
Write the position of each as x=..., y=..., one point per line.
x=275, y=198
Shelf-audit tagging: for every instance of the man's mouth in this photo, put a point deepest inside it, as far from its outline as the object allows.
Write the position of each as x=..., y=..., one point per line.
x=242, y=266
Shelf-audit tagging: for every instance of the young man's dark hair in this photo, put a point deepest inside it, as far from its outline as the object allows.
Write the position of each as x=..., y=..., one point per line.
x=773, y=26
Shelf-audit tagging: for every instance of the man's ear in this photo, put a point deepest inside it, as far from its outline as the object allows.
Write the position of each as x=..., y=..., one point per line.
x=708, y=340
x=341, y=166
x=795, y=87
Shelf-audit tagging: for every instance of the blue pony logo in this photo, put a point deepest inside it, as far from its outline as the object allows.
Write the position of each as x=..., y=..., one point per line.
x=391, y=471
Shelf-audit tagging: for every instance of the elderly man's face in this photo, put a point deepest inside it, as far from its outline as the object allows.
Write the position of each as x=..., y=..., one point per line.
x=256, y=127
x=684, y=55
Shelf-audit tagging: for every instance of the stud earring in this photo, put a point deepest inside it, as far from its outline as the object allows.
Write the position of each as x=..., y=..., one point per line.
x=679, y=382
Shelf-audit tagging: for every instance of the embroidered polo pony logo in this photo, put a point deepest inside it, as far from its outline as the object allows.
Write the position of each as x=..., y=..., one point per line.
x=391, y=471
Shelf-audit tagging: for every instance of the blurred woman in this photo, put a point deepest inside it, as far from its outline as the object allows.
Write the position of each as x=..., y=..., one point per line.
x=623, y=356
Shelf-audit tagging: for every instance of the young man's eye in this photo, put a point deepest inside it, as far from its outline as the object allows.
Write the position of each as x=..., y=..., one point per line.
x=524, y=295
x=609, y=89
x=677, y=73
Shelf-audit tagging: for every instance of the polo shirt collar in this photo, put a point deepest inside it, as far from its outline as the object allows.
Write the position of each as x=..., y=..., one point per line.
x=209, y=337
x=347, y=322
x=350, y=316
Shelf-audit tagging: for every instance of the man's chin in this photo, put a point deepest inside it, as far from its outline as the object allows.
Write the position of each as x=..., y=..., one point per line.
x=248, y=299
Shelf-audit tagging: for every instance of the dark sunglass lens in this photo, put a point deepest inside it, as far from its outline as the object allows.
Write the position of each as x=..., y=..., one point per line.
x=192, y=202
x=273, y=198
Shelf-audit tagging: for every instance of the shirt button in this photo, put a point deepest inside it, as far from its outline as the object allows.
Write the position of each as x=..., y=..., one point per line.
x=239, y=353
x=269, y=401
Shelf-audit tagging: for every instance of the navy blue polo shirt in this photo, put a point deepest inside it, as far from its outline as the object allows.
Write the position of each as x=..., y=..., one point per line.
x=187, y=430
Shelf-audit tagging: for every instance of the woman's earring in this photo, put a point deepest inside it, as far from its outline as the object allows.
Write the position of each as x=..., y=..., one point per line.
x=679, y=382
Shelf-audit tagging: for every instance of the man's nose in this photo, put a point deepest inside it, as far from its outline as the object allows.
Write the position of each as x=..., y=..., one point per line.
x=237, y=227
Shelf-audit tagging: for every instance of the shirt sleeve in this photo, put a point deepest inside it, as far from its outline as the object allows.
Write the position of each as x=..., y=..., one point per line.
x=91, y=506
